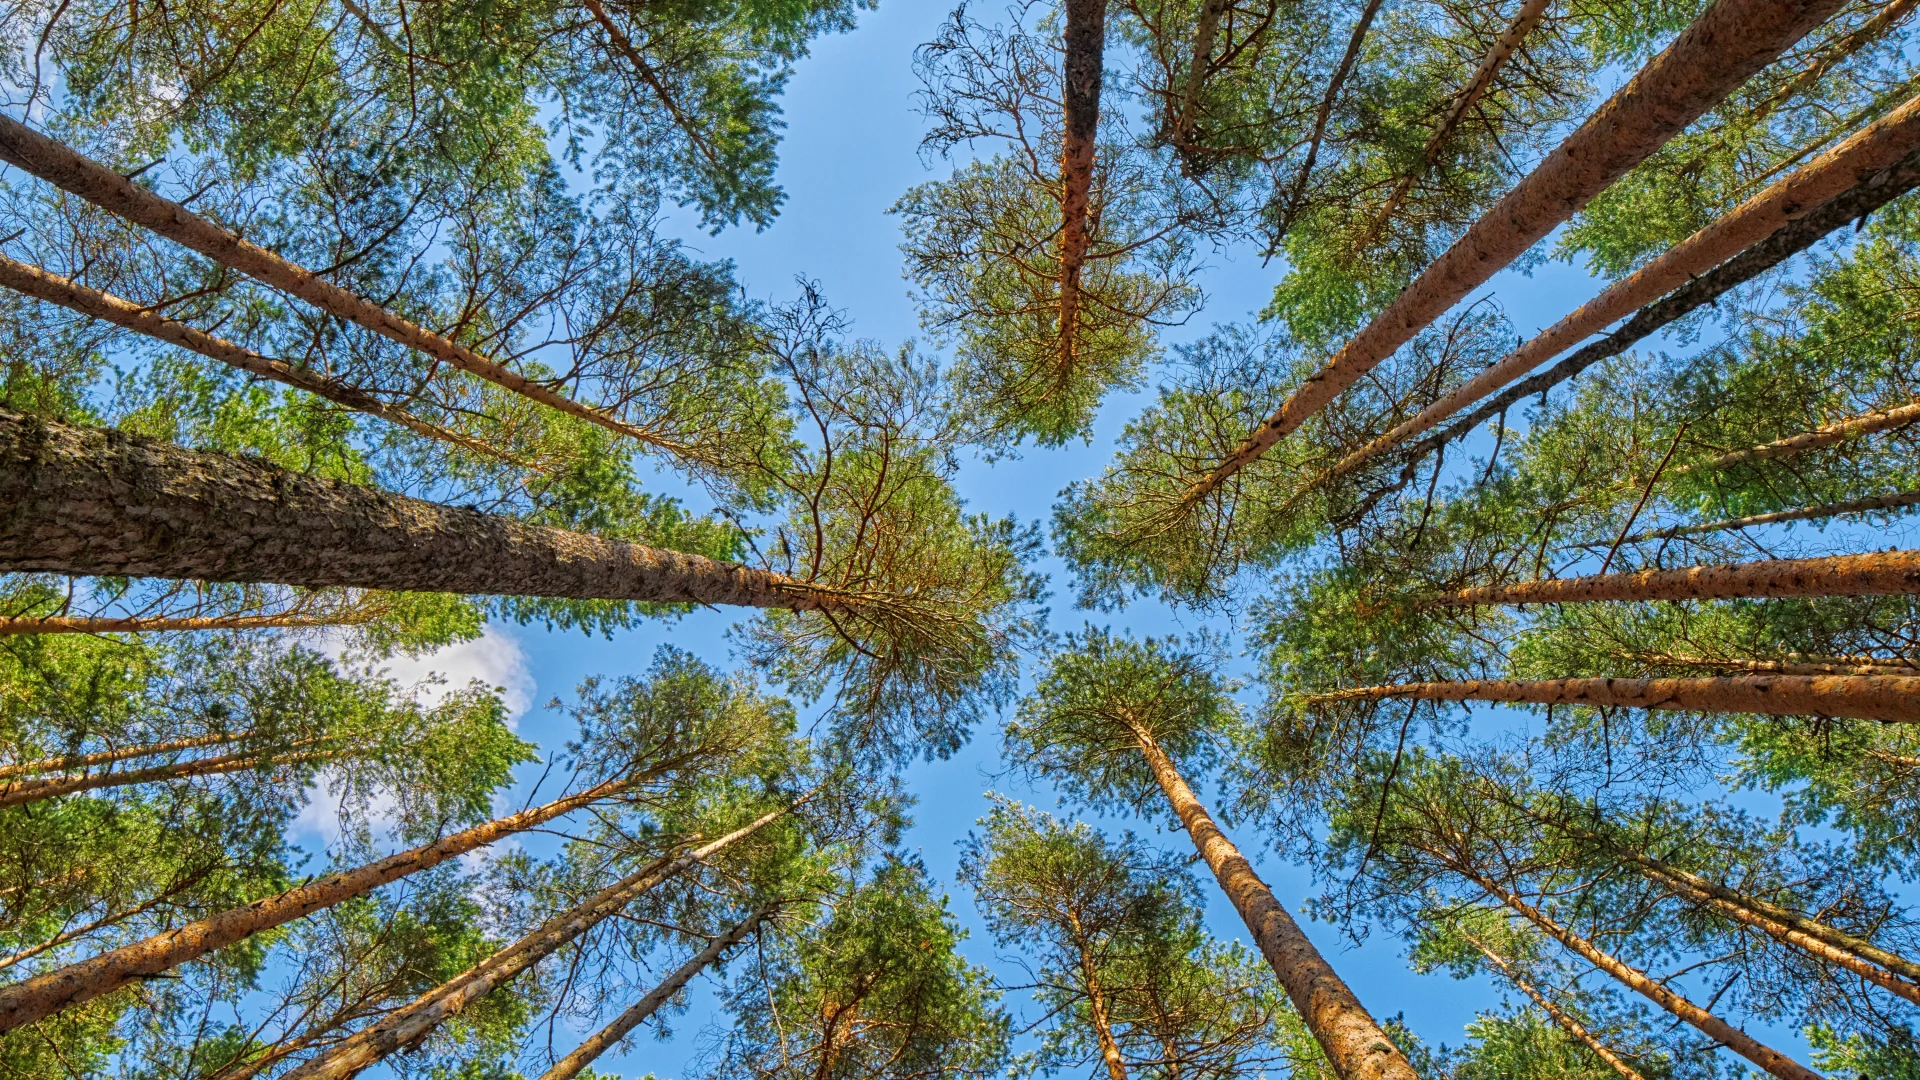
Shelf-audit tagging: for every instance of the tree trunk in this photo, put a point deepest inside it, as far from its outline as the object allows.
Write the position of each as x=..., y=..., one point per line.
x=35, y=282
x=1839, y=431
x=1873, y=148
x=1880, y=573
x=596, y=1044
x=1830, y=665
x=1811, y=513
x=135, y=624
x=1558, y=1015
x=1464, y=99
x=1086, y=37
x=1298, y=192
x=1710, y=1025
x=108, y=757
x=43, y=995
x=1102, y=1022
x=1730, y=42
x=410, y=1023
x=1353, y=1042
x=623, y=45
x=73, y=172
x=1889, y=698
x=1205, y=29
x=85, y=501
x=22, y=792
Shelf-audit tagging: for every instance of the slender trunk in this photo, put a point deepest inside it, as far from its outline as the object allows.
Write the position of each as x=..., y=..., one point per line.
x=1833, y=665
x=409, y=1024
x=1102, y=1022
x=22, y=792
x=1086, y=37
x=1726, y=45
x=40, y=284
x=1880, y=573
x=1464, y=99
x=43, y=995
x=598, y=1043
x=623, y=45
x=1878, y=146
x=108, y=757
x=1886, y=698
x=104, y=921
x=73, y=172
x=1558, y=1015
x=1839, y=431
x=1297, y=194
x=135, y=624
x=1205, y=29
x=1710, y=1025
x=1810, y=513
x=1869, y=32
x=1353, y=1042
x=85, y=501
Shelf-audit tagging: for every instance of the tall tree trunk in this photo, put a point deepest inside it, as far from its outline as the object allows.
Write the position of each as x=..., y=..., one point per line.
x=85, y=501
x=624, y=45
x=1880, y=573
x=1773, y=1061
x=42, y=285
x=410, y=1023
x=73, y=172
x=1206, y=29
x=136, y=624
x=108, y=757
x=1889, y=698
x=1838, y=431
x=1296, y=195
x=43, y=995
x=600, y=1041
x=1463, y=101
x=1828, y=665
x=22, y=792
x=1810, y=513
x=1102, y=1020
x=1353, y=1042
x=1086, y=39
x=1878, y=146
x=1558, y=1015
x=1730, y=42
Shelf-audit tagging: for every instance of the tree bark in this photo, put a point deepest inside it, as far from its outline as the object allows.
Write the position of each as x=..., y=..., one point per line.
x=1102, y=1022
x=1829, y=665
x=1886, y=698
x=1810, y=513
x=410, y=1023
x=1881, y=573
x=108, y=757
x=22, y=792
x=1839, y=431
x=1354, y=1043
x=136, y=624
x=598, y=1043
x=1773, y=1061
x=1558, y=1015
x=1878, y=146
x=1085, y=46
x=1205, y=29
x=42, y=285
x=1730, y=42
x=43, y=995
x=85, y=501
x=73, y=172
x=1298, y=192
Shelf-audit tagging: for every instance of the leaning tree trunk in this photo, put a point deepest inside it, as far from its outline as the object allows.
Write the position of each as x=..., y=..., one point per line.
x=108, y=757
x=73, y=172
x=43, y=995
x=1730, y=42
x=1558, y=1015
x=1880, y=573
x=1831, y=665
x=42, y=285
x=1889, y=698
x=598, y=1043
x=1712, y=1026
x=1809, y=513
x=1838, y=431
x=135, y=624
x=1086, y=38
x=1354, y=1043
x=86, y=501
x=1102, y=1020
x=410, y=1023
x=22, y=792
x=1185, y=114
x=1297, y=193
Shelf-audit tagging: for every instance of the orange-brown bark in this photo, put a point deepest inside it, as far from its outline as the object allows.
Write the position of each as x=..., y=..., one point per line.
x=1839, y=431
x=137, y=624
x=1865, y=697
x=1880, y=573
x=70, y=762
x=21, y=792
x=1810, y=513
x=1558, y=1015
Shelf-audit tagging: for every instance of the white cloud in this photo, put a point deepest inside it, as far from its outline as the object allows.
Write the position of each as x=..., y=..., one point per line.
x=495, y=658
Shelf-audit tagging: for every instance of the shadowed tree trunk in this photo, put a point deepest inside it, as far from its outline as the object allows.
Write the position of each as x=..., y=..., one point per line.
x=600, y=1041
x=1353, y=1042
x=21, y=792
x=1730, y=42
x=41, y=285
x=73, y=172
x=1864, y=697
x=1838, y=431
x=1880, y=573
x=409, y=1024
x=1558, y=1015
x=86, y=501
x=1298, y=193
x=43, y=995
x=1206, y=29
x=108, y=757
x=1086, y=37
x=1811, y=513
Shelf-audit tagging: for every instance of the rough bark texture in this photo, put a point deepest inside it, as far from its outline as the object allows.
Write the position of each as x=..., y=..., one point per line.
x=1086, y=40
x=1730, y=42
x=85, y=501
x=1712, y=1026
x=1887, y=698
x=43, y=995
x=1831, y=665
x=600, y=1041
x=21, y=792
x=1875, y=147
x=1102, y=1022
x=409, y=1024
x=33, y=281
x=1529, y=16
x=1840, y=431
x=1880, y=573
x=1558, y=1015
x=1353, y=1042
x=134, y=624
x=71, y=171
x=108, y=757
x=1811, y=513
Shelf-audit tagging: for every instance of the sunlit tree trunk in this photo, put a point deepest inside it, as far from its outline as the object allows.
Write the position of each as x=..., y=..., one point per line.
x=1879, y=573
x=1097, y=1010
x=1810, y=513
x=1354, y=1043
x=1838, y=431
x=135, y=624
x=108, y=757
x=22, y=792
x=1206, y=29
x=1086, y=36
x=1865, y=697
x=1558, y=1015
